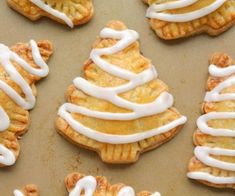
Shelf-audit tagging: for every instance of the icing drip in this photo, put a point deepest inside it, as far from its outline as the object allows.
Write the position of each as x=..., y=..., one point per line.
x=203, y=153
x=53, y=12
x=6, y=58
x=221, y=72
x=7, y=157
x=126, y=191
x=211, y=178
x=111, y=94
x=18, y=193
x=88, y=186
x=156, y=11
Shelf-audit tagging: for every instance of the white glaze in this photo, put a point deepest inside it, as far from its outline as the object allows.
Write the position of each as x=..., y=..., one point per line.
x=156, y=11
x=7, y=157
x=88, y=184
x=215, y=94
x=6, y=58
x=117, y=139
x=221, y=72
x=203, y=153
x=211, y=178
x=111, y=94
x=202, y=124
x=126, y=191
x=53, y=12
x=18, y=193
x=156, y=194
x=129, y=191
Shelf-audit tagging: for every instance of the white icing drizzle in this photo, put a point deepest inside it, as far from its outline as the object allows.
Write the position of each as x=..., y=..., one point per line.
x=6, y=58
x=18, y=193
x=156, y=10
x=156, y=194
x=53, y=12
x=214, y=95
x=126, y=191
x=88, y=186
x=211, y=178
x=7, y=157
x=221, y=72
x=202, y=124
x=203, y=153
x=111, y=94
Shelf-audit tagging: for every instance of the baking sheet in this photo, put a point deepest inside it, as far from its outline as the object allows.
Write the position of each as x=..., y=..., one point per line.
x=46, y=158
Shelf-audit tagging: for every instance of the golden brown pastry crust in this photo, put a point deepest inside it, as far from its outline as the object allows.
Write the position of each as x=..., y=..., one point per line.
x=81, y=13
x=19, y=117
x=213, y=24
x=30, y=190
x=201, y=139
x=103, y=187
x=130, y=59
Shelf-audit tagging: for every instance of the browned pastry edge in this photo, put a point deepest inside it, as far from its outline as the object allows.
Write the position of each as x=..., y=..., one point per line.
x=41, y=13
x=62, y=128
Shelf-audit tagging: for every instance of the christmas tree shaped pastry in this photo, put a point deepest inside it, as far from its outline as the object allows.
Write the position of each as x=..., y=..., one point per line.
x=214, y=161
x=70, y=12
x=120, y=109
x=81, y=185
x=20, y=67
x=28, y=190
x=182, y=18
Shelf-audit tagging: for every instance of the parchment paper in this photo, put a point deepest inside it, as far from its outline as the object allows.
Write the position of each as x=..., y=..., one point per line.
x=46, y=158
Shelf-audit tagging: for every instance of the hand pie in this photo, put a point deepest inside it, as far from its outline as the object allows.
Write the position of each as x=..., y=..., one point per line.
x=214, y=161
x=20, y=68
x=28, y=190
x=80, y=185
x=175, y=19
x=120, y=109
x=70, y=12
